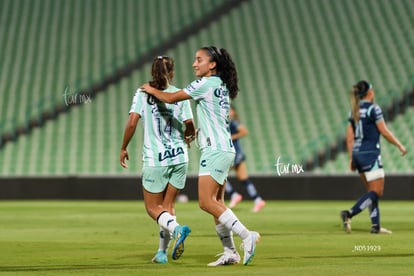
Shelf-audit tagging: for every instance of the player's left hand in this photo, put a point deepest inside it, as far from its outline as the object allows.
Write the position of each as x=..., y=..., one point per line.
x=124, y=155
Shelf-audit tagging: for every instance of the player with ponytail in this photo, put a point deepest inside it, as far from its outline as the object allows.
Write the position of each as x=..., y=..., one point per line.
x=213, y=91
x=366, y=124
x=165, y=157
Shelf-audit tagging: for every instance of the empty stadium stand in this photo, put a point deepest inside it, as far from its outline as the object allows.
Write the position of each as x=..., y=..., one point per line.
x=297, y=61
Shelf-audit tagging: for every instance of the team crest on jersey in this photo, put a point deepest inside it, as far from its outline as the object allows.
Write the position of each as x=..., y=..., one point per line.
x=170, y=153
x=220, y=92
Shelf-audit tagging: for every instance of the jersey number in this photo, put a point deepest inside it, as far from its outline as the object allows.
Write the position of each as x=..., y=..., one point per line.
x=164, y=129
x=359, y=133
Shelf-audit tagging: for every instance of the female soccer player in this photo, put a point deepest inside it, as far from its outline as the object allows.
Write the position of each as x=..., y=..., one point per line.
x=212, y=94
x=363, y=143
x=238, y=131
x=165, y=158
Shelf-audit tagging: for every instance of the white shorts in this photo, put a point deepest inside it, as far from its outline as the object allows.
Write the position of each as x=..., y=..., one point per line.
x=374, y=174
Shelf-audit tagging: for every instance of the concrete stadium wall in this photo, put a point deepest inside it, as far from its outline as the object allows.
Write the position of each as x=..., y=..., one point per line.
x=304, y=187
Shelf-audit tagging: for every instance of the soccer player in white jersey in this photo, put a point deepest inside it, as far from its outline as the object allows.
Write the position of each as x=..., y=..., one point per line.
x=366, y=125
x=165, y=158
x=212, y=94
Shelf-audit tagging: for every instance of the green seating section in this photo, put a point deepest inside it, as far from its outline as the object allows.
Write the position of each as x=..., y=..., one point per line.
x=297, y=61
x=50, y=47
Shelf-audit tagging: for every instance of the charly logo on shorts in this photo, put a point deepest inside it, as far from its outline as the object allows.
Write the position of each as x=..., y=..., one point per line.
x=203, y=163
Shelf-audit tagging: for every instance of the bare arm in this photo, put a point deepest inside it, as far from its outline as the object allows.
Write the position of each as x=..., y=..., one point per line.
x=350, y=144
x=165, y=97
x=382, y=127
x=242, y=131
x=350, y=140
x=189, y=132
x=128, y=133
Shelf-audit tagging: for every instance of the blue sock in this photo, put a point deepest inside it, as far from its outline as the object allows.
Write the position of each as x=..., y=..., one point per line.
x=251, y=189
x=229, y=188
x=374, y=213
x=362, y=203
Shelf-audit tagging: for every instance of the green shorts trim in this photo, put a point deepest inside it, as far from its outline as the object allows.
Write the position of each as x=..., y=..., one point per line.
x=155, y=179
x=217, y=164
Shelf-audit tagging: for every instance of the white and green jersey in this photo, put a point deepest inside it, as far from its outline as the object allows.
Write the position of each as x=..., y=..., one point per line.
x=213, y=106
x=164, y=143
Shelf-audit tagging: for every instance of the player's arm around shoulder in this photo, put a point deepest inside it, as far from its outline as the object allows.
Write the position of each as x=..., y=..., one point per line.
x=165, y=97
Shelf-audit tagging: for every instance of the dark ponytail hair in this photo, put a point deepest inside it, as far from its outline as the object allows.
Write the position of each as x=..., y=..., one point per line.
x=162, y=72
x=225, y=68
x=358, y=92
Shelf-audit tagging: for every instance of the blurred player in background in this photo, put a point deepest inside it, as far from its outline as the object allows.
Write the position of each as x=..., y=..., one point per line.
x=363, y=143
x=212, y=92
x=165, y=156
x=238, y=131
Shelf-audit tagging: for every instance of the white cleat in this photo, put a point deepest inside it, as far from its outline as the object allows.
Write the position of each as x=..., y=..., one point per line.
x=249, y=246
x=228, y=257
x=385, y=231
x=381, y=230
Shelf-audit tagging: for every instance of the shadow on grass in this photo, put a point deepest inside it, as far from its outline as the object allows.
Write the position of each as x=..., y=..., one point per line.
x=69, y=267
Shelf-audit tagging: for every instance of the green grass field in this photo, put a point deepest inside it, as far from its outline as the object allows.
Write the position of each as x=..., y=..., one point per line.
x=119, y=238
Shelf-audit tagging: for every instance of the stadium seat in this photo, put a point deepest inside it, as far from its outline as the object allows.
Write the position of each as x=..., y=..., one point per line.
x=296, y=60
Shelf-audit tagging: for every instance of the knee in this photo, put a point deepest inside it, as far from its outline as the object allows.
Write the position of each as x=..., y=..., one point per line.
x=205, y=204
x=380, y=193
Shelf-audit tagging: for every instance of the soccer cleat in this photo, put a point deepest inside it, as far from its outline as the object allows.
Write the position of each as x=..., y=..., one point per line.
x=160, y=257
x=235, y=199
x=379, y=230
x=249, y=246
x=258, y=206
x=179, y=236
x=228, y=257
x=346, y=220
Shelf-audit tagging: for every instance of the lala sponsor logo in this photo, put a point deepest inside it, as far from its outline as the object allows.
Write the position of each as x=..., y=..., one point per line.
x=170, y=153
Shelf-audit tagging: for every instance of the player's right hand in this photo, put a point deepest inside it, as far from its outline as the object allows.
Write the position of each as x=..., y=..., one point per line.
x=403, y=150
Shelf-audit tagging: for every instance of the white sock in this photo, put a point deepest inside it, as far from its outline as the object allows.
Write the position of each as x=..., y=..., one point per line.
x=229, y=219
x=226, y=237
x=167, y=221
x=234, y=195
x=165, y=238
x=257, y=200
